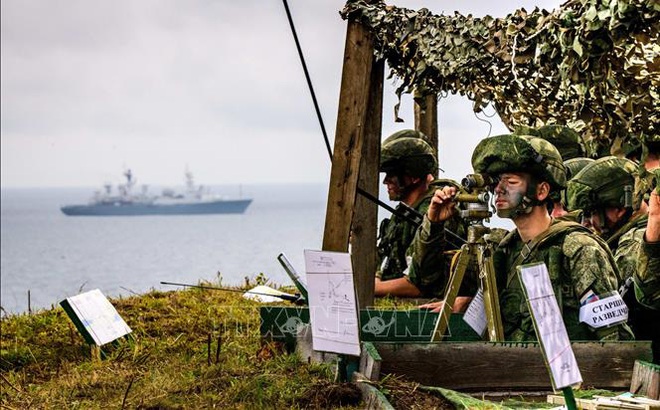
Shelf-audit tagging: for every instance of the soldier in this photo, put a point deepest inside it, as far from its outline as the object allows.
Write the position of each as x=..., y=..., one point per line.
x=581, y=267
x=647, y=275
x=409, y=163
x=647, y=279
x=604, y=191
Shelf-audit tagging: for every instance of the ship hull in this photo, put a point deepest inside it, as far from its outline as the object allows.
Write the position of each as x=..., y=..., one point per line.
x=237, y=206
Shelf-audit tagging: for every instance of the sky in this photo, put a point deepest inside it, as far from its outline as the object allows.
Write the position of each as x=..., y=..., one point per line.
x=91, y=88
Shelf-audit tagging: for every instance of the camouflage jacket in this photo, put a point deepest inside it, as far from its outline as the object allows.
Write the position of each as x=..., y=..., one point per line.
x=647, y=275
x=573, y=216
x=399, y=257
x=625, y=244
x=577, y=262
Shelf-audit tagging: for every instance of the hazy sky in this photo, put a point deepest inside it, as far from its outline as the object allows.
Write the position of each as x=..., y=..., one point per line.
x=92, y=87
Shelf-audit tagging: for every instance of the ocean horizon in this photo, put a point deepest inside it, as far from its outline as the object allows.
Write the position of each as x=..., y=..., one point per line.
x=56, y=256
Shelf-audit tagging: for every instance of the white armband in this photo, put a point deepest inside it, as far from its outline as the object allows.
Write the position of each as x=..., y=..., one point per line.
x=604, y=311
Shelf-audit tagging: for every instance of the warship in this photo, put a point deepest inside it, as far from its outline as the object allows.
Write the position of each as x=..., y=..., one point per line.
x=195, y=200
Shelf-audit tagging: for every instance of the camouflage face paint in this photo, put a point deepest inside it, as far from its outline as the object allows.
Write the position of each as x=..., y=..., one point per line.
x=509, y=195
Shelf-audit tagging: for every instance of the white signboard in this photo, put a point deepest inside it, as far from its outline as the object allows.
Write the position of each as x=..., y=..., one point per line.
x=98, y=317
x=332, y=307
x=475, y=315
x=549, y=326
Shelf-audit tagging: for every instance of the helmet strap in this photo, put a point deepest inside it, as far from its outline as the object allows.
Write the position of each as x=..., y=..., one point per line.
x=405, y=189
x=525, y=204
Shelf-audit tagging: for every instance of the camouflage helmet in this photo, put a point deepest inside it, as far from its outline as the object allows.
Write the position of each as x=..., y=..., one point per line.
x=407, y=152
x=565, y=139
x=575, y=165
x=606, y=182
x=520, y=153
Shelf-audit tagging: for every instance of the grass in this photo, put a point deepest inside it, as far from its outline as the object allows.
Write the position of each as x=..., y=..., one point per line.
x=190, y=349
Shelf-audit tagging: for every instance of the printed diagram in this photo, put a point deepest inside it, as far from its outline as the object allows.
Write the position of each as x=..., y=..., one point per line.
x=338, y=293
x=332, y=308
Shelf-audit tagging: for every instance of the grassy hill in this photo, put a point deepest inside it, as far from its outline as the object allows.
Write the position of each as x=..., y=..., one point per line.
x=190, y=349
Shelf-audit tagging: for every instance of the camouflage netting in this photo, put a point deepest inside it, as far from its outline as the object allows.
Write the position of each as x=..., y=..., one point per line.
x=592, y=64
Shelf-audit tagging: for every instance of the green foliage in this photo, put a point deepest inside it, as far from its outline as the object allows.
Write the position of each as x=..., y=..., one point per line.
x=168, y=364
x=189, y=349
x=591, y=64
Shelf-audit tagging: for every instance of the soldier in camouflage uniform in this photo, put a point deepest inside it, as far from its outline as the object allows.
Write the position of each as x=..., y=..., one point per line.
x=647, y=275
x=604, y=191
x=647, y=279
x=528, y=169
x=409, y=163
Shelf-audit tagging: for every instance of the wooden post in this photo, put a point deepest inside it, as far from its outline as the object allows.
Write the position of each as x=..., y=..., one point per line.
x=646, y=380
x=365, y=218
x=349, y=136
x=426, y=120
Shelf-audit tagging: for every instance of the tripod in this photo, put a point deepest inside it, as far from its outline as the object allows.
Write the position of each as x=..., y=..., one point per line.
x=475, y=249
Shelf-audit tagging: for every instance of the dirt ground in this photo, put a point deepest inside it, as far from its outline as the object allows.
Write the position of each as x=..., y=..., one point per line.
x=399, y=393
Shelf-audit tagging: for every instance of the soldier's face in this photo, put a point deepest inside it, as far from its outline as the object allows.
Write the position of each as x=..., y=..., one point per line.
x=509, y=192
x=396, y=185
x=603, y=221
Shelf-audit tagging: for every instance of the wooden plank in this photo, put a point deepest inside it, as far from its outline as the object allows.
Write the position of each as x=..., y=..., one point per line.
x=370, y=361
x=365, y=219
x=372, y=398
x=604, y=403
x=351, y=120
x=426, y=120
x=280, y=323
x=495, y=366
x=305, y=350
x=646, y=380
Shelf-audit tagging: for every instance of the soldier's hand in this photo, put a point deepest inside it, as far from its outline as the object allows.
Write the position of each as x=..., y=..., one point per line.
x=460, y=305
x=442, y=205
x=653, y=227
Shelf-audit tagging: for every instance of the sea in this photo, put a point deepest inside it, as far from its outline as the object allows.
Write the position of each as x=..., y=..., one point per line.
x=53, y=256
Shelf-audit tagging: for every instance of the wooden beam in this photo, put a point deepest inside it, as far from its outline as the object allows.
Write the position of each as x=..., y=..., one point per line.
x=426, y=120
x=349, y=136
x=511, y=366
x=365, y=219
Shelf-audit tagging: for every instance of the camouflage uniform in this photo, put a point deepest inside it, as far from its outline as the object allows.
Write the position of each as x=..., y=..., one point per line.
x=647, y=274
x=578, y=262
x=609, y=182
x=570, y=256
x=399, y=257
x=406, y=152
